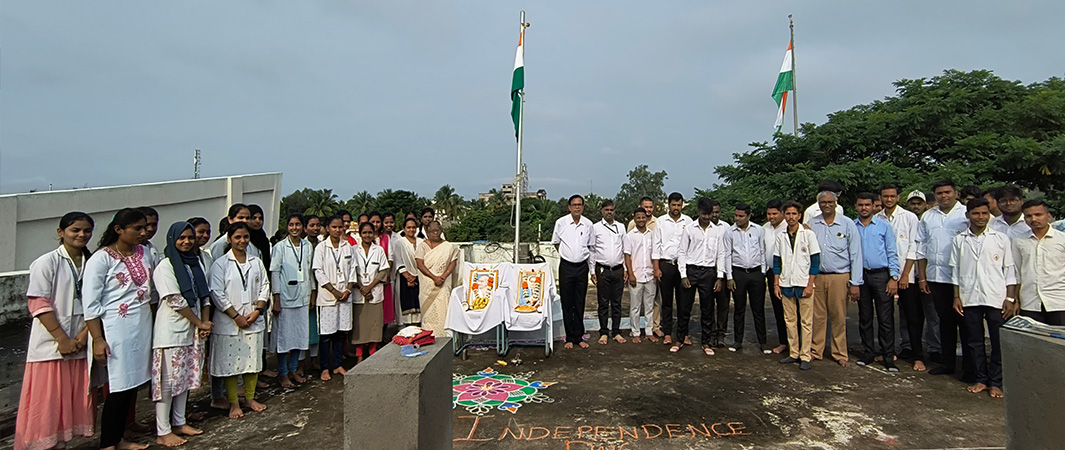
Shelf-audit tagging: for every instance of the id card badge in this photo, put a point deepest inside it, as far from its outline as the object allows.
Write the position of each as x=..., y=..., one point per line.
x=245, y=297
x=299, y=276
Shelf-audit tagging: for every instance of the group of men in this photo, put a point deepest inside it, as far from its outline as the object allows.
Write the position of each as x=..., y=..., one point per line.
x=951, y=268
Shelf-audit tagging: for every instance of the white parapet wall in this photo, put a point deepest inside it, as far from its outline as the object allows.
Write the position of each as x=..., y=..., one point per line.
x=28, y=222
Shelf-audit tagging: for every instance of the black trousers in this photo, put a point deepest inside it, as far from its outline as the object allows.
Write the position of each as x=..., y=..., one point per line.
x=1049, y=318
x=721, y=299
x=573, y=286
x=113, y=418
x=750, y=288
x=975, y=316
x=778, y=310
x=873, y=297
x=702, y=281
x=951, y=326
x=670, y=288
x=610, y=284
x=910, y=305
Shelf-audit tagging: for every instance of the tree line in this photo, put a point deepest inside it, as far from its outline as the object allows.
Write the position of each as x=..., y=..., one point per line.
x=972, y=127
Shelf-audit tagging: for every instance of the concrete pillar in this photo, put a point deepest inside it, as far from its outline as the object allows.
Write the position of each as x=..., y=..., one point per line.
x=397, y=403
x=8, y=231
x=1035, y=397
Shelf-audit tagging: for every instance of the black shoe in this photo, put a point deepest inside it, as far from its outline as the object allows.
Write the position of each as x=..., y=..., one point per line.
x=941, y=370
x=789, y=360
x=805, y=365
x=890, y=365
x=867, y=359
x=906, y=354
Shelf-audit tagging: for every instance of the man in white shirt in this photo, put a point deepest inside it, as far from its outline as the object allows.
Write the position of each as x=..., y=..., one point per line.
x=664, y=255
x=1040, y=260
x=796, y=260
x=745, y=270
x=1011, y=222
x=702, y=269
x=641, y=275
x=725, y=295
x=573, y=238
x=607, y=266
x=813, y=210
x=911, y=311
x=648, y=205
x=985, y=290
x=916, y=202
x=935, y=239
x=775, y=225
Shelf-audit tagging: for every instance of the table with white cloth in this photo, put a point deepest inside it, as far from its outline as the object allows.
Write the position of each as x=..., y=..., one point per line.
x=500, y=317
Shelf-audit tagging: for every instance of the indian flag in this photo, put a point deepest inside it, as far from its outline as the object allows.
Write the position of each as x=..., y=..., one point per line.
x=785, y=83
x=518, y=82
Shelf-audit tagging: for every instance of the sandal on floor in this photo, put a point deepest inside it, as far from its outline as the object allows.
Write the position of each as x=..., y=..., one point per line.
x=675, y=348
x=708, y=351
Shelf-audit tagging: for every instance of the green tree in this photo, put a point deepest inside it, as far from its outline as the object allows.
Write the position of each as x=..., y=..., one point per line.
x=592, y=204
x=399, y=202
x=447, y=203
x=320, y=202
x=642, y=183
x=972, y=127
x=361, y=202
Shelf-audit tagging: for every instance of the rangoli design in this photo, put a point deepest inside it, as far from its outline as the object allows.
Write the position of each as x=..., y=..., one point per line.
x=489, y=389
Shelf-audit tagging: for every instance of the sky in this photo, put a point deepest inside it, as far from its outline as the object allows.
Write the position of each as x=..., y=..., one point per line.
x=414, y=94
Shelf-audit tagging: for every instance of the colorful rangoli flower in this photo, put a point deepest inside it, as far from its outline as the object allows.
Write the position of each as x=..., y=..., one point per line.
x=489, y=389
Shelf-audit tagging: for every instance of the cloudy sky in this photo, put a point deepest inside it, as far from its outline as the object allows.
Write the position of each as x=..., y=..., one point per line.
x=405, y=94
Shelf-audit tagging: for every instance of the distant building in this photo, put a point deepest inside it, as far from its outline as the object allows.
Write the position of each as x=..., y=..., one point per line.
x=508, y=194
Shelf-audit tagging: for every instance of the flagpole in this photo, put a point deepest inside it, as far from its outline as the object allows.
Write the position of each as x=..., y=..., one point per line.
x=518, y=177
x=794, y=83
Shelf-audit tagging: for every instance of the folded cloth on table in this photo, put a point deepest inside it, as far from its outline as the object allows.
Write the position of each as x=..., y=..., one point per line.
x=423, y=338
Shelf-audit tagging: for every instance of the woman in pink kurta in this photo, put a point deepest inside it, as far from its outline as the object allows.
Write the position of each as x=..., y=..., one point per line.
x=55, y=404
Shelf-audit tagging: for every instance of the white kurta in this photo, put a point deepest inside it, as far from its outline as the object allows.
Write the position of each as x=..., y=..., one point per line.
x=291, y=273
x=367, y=265
x=236, y=351
x=117, y=291
x=333, y=265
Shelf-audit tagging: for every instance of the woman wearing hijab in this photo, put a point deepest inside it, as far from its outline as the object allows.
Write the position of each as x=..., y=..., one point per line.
x=181, y=326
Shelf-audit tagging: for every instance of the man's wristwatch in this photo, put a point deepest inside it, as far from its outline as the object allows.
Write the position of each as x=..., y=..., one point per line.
x=1011, y=299
x=895, y=277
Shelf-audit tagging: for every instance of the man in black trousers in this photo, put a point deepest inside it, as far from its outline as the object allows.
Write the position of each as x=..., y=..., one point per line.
x=744, y=266
x=573, y=238
x=664, y=254
x=608, y=272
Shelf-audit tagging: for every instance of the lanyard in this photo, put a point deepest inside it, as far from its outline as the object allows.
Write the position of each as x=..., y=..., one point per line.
x=299, y=256
x=613, y=228
x=366, y=267
x=243, y=274
x=77, y=277
x=196, y=292
x=336, y=257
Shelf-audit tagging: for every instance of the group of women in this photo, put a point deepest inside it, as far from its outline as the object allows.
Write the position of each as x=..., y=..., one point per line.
x=160, y=317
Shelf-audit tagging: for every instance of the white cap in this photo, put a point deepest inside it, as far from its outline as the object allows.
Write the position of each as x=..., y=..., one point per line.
x=916, y=194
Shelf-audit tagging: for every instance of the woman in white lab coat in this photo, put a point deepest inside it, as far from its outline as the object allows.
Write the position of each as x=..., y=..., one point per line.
x=370, y=269
x=240, y=292
x=333, y=270
x=290, y=270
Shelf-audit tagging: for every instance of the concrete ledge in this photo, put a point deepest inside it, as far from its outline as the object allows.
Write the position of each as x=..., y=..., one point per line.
x=395, y=402
x=13, y=287
x=1035, y=397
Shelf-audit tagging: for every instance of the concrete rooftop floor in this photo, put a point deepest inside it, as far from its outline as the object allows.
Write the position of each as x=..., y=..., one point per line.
x=606, y=394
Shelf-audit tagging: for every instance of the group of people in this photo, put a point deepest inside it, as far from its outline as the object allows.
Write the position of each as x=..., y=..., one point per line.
x=956, y=267
x=129, y=314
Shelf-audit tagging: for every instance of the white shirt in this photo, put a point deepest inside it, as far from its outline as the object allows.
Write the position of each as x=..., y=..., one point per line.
x=667, y=237
x=240, y=286
x=291, y=274
x=607, y=245
x=702, y=247
x=332, y=265
x=1019, y=228
x=218, y=247
x=904, y=223
x=53, y=276
x=771, y=233
x=935, y=236
x=982, y=267
x=814, y=210
x=638, y=246
x=171, y=328
x=795, y=261
x=365, y=267
x=745, y=249
x=574, y=239
x=650, y=223
x=1041, y=270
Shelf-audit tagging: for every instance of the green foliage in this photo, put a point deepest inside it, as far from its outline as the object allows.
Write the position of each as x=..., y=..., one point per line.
x=398, y=202
x=642, y=183
x=320, y=202
x=972, y=127
x=447, y=203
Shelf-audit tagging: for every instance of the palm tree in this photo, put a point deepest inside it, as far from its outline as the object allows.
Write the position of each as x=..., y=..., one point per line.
x=448, y=204
x=323, y=203
x=361, y=202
